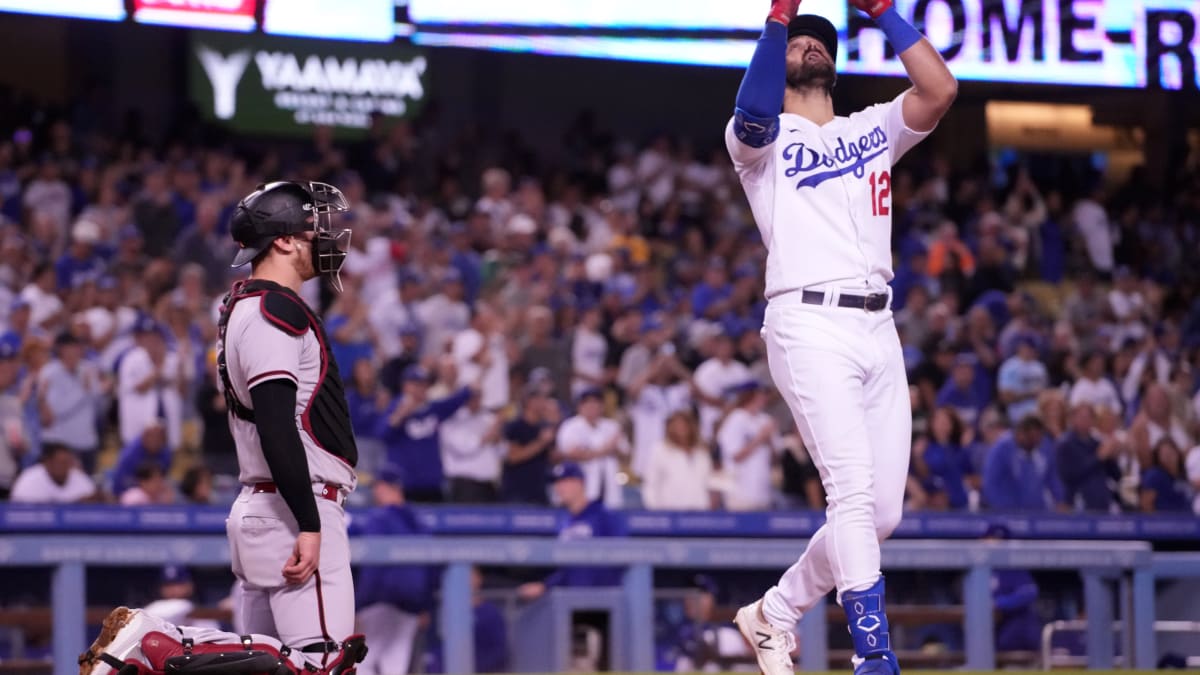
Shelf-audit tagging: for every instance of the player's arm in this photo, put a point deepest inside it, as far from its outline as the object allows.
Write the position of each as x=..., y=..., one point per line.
x=934, y=87
x=760, y=96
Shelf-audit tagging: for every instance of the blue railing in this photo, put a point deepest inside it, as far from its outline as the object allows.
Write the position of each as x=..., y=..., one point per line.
x=507, y=521
x=1098, y=562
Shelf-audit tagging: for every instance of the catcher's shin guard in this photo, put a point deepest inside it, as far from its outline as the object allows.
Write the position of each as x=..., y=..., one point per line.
x=184, y=657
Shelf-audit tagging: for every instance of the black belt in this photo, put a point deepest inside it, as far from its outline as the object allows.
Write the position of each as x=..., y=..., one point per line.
x=874, y=302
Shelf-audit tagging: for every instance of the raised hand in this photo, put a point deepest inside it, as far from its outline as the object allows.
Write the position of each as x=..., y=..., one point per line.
x=784, y=11
x=873, y=8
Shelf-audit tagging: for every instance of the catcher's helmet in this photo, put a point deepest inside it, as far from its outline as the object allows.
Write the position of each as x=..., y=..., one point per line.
x=285, y=208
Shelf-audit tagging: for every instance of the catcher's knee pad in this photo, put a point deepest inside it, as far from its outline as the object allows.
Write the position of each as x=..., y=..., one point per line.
x=184, y=657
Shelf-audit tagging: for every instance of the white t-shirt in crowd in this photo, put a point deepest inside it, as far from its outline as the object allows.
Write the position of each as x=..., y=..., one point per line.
x=137, y=409
x=588, y=351
x=442, y=319
x=599, y=475
x=34, y=486
x=464, y=454
x=1100, y=393
x=649, y=413
x=750, y=479
x=1191, y=465
x=712, y=378
x=494, y=387
x=42, y=305
x=676, y=479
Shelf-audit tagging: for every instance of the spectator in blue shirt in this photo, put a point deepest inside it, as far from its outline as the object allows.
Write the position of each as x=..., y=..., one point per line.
x=962, y=392
x=81, y=262
x=1019, y=472
x=943, y=465
x=711, y=297
x=1022, y=378
x=409, y=431
x=151, y=447
x=1014, y=596
x=1087, y=464
x=530, y=438
x=394, y=600
x=585, y=520
x=1164, y=485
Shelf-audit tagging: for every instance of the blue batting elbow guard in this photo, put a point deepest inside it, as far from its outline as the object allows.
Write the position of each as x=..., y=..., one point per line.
x=868, y=621
x=755, y=132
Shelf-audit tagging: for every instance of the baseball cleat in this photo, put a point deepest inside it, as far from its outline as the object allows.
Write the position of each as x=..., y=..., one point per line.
x=771, y=646
x=120, y=639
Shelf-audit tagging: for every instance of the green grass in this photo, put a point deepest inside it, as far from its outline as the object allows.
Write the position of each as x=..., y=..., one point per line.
x=946, y=671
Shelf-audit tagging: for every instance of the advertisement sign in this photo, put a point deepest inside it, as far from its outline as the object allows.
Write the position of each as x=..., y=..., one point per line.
x=1107, y=43
x=272, y=85
x=103, y=10
x=364, y=20
x=233, y=15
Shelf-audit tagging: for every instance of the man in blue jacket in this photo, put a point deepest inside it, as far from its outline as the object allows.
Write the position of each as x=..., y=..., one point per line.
x=410, y=433
x=1020, y=472
x=585, y=519
x=394, y=600
x=1014, y=595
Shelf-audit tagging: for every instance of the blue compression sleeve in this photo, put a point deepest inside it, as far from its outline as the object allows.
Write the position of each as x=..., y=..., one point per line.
x=760, y=98
x=899, y=33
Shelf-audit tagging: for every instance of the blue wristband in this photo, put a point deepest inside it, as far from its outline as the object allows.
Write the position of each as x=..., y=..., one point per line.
x=899, y=33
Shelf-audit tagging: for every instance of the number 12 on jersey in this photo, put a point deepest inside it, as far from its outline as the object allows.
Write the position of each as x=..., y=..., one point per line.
x=881, y=192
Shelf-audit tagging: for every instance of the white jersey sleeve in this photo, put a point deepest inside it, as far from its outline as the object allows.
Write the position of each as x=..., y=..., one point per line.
x=752, y=164
x=261, y=352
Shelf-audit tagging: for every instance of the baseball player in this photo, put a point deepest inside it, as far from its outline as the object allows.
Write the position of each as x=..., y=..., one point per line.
x=819, y=186
x=296, y=457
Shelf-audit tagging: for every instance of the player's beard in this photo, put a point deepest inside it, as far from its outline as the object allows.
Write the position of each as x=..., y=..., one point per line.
x=808, y=75
x=303, y=262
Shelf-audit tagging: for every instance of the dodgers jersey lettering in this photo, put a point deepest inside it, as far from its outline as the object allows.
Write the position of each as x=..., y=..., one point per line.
x=821, y=195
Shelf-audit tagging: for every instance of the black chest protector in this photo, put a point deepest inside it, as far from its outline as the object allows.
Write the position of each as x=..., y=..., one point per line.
x=326, y=416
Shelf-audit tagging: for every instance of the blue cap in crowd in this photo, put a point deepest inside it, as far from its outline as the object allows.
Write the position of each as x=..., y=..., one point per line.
x=566, y=470
x=743, y=387
x=8, y=350
x=175, y=574
x=392, y=474
x=19, y=303
x=410, y=328
x=451, y=275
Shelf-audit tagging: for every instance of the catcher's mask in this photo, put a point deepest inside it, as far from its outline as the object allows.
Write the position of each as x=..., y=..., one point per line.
x=287, y=208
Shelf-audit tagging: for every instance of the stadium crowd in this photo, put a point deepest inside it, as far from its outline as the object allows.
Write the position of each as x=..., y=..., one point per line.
x=505, y=311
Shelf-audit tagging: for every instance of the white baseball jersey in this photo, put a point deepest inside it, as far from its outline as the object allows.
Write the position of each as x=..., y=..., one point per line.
x=599, y=475
x=750, y=478
x=821, y=195
x=257, y=352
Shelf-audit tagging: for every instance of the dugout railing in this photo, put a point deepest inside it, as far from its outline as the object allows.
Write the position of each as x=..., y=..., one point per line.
x=1101, y=564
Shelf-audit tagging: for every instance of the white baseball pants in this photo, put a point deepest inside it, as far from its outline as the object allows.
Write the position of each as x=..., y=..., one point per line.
x=262, y=533
x=841, y=372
